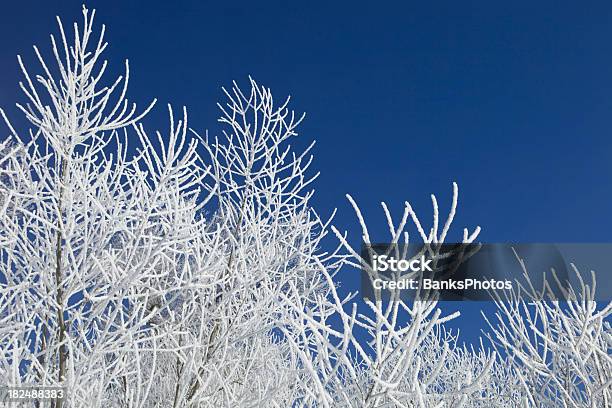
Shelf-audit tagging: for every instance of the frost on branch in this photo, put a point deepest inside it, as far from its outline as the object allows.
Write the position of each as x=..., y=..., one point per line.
x=408, y=359
x=154, y=278
x=93, y=239
x=559, y=350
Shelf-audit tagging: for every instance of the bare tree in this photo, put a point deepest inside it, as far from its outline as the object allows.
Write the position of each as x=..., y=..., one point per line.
x=152, y=278
x=557, y=346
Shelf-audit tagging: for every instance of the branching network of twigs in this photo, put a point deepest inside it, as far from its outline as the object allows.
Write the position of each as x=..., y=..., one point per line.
x=188, y=270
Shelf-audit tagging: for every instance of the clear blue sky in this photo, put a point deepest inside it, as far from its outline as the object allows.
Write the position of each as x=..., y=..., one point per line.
x=512, y=101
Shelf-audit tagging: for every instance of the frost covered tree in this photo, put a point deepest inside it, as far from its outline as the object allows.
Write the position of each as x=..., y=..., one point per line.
x=158, y=277
x=558, y=347
x=176, y=269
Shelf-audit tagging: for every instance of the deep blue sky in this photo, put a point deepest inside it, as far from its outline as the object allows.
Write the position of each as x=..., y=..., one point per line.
x=514, y=102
